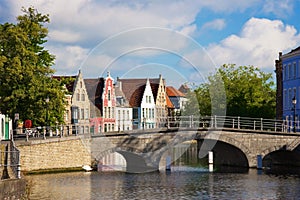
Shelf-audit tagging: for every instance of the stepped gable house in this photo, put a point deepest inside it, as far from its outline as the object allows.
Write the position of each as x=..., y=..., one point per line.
x=78, y=108
x=102, y=97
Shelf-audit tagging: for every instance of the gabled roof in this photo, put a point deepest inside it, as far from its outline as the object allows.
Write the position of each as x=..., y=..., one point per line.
x=172, y=92
x=70, y=85
x=137, y=96
x=169, y=102
x=184, y=88
x=295, y=50
x=130, y=86
x=120, y=96
x=94, y=89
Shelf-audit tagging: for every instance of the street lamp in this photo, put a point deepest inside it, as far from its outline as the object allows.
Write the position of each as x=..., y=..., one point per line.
x=294, y=102
x=47, y=104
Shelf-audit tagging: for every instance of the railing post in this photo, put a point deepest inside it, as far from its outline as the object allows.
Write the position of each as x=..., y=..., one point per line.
x=254, y=125
x=216, y=125
x=238, y=122
x=261, y=124
x=275, y=129
x=212, y=122
x=233, y=123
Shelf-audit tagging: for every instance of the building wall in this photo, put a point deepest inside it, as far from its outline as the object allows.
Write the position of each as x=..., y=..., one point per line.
x=279, y=90
x=123, y=118
x=109, y=104
x=5, y=127
x=148, y=109
x=291, y=84
x=80, y=99
x=161, y=103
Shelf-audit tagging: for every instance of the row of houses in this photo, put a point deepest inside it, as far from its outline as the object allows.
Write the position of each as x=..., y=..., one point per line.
x=104, y=105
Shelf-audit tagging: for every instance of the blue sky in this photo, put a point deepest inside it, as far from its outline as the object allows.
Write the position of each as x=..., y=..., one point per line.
x=184, y=40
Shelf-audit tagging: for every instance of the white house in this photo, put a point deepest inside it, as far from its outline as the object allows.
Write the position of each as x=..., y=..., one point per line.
x=5, y=127
x=148, y=108
x=123, y=110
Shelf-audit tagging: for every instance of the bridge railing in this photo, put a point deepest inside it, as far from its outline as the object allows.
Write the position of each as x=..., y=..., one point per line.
x=231, y=122
x=228, y=122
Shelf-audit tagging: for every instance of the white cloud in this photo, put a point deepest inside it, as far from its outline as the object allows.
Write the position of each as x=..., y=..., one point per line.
x=68, y=58
x=280, y=8
x=217, y=24
x=258, y=44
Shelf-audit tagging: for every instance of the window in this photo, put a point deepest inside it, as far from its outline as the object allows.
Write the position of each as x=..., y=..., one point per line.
x=80, y=84
x=128, y=115
x=113, y=127
x=82, y=97
x=290, y=71
x=86, y=113
x=78, y=96
x=284, y=72
x=109, y=113
x=82, y=113
x=289, y=102
x=108, y=95
x=294, y=69
x=284, y=99
x=143, y=113
x=86, y=129
x=149, y=99
x=105, y=112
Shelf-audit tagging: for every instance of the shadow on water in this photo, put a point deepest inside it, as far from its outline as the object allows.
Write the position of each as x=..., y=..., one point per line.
x=282, y=170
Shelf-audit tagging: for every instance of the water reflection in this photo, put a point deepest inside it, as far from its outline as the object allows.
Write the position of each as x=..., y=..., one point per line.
x=181, y=183
x=188, y=179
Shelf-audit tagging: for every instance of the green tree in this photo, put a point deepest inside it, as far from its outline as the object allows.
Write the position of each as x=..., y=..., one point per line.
x=249, y=92
x=25, y=71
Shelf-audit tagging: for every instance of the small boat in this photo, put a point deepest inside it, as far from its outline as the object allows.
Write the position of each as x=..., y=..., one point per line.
x=87, y=168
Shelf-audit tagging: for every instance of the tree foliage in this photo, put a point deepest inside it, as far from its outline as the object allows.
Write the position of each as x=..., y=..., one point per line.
x=25, y=71
x=249, y=92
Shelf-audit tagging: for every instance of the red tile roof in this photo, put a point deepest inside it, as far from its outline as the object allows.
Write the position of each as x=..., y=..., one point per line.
x=172, y=92
x=169, y=102
x=132, y=87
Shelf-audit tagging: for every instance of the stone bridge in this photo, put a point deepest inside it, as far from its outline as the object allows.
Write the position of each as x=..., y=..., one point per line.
x=146, y=150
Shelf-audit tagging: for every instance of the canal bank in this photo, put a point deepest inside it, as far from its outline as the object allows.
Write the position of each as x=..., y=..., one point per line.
x=12, y=189
x=54, y=154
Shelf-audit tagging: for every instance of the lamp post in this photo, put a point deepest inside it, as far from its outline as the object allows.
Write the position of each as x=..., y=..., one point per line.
x=294, y=102
x=47, y=104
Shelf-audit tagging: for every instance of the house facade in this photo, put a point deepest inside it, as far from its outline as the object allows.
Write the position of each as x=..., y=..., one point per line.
x=158, y=87
x=5, y=127
x=123, y=110
x=109, y=104
x=101, y=93
x=138, y=93
x=177, y=98
x=80, y=107
x=76, y=117
x=288, y=88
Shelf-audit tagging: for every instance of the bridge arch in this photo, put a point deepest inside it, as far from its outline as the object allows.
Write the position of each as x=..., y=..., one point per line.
x=230, y=141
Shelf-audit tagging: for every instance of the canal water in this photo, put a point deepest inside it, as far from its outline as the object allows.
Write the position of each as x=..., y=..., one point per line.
x=188, y=179
x=181, y=183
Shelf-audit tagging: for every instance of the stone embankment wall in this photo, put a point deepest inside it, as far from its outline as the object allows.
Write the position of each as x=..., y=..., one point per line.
x=12, y=189
x=54, y=154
